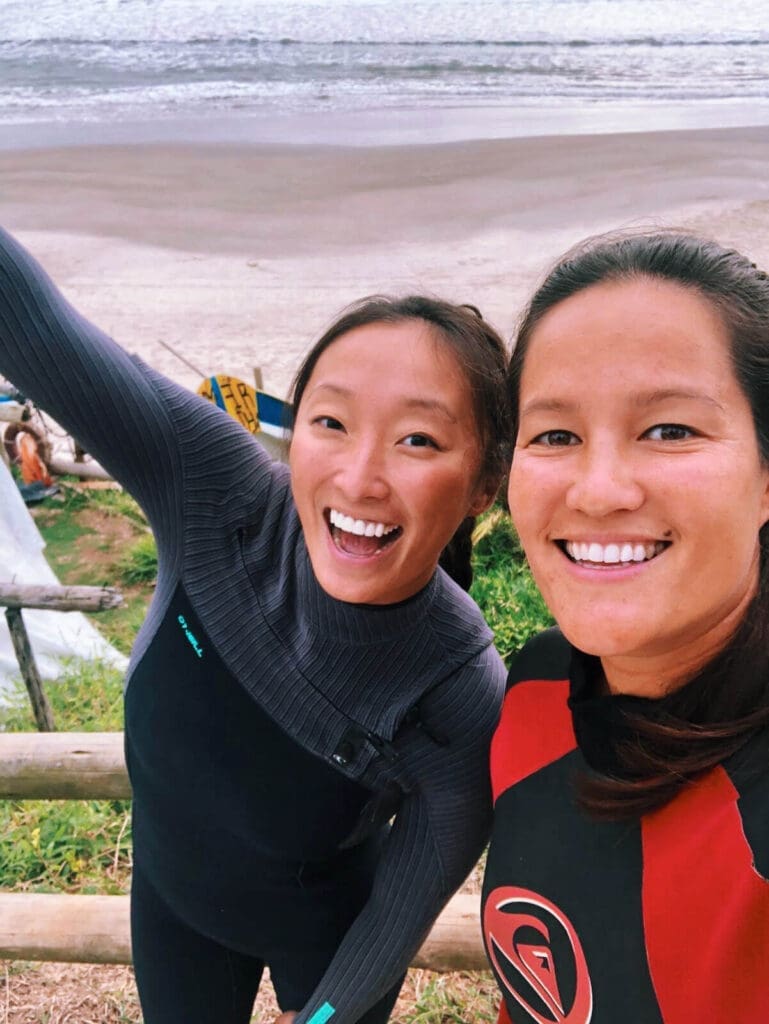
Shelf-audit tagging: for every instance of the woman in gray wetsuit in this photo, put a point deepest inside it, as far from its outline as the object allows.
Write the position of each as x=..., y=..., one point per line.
x=306, y=673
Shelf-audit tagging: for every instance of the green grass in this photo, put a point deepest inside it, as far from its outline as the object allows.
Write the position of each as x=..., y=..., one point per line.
x=503, y=587
x=78, y=845
x=120, y=625
x=87, y=698
x=79, y=532
x=73, y=846
x=453, y=998
x=61, y=527
x=68, y=845
x=117, y=503
x=139, y=564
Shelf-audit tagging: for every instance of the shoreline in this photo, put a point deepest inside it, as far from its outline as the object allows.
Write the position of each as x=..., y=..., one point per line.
x=238, y=255
x=402, y=124
x=276, y=200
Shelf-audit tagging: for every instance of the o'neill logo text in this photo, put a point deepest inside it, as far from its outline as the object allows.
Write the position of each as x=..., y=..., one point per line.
x=191, y=638
x=538, y=957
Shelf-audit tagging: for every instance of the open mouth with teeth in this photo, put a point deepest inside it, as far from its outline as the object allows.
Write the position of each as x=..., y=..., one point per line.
x=591, y=553
x=361, y=537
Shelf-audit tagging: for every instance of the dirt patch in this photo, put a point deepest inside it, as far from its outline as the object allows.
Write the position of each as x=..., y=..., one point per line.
x=96, y=994
x=83, y=544
x=82, y=994
x=105, y=537
x=67, y=994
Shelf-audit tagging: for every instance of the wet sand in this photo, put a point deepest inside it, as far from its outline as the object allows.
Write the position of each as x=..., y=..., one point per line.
x=237, y=255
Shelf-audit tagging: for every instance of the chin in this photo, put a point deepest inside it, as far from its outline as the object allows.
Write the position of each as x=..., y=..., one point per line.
x=347, y=590
x=600, y=640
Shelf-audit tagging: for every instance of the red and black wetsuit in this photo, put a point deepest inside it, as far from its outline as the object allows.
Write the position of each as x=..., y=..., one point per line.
x=665, y=919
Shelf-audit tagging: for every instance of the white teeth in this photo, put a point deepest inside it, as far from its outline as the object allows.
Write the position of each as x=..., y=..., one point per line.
x=595, y=553
x=612, y=554
x=360, y=527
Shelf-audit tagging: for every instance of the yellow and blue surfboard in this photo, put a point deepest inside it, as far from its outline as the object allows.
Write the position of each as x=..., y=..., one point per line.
x=264, y=415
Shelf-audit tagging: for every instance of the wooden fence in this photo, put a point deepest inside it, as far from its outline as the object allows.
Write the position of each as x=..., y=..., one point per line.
x=15, y=597
x=95, y=929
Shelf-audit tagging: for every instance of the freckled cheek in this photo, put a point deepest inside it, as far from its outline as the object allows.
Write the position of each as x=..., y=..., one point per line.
x=533, y=494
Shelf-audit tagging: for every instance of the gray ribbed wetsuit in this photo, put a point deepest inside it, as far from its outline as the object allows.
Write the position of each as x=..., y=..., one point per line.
x=336, y=679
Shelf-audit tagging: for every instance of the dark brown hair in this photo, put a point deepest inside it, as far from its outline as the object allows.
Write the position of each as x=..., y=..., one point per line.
x=480, y=354
x=693, y=728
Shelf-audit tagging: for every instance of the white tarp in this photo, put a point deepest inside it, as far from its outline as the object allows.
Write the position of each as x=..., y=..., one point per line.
x=53, y=635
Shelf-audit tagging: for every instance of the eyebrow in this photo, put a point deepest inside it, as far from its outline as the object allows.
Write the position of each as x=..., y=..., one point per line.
x=414, y=402
x=642, y=400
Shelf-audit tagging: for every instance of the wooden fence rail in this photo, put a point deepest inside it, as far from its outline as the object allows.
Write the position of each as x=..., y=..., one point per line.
x=14, y=597
x=63, y=766
x=95, y=929
x=59, y=599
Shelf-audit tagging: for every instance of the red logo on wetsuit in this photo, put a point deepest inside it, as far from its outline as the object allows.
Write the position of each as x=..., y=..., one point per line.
x=538, y=957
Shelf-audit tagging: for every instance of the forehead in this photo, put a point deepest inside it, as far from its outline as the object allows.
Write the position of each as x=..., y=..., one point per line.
x=383, y=357
x=626, y=330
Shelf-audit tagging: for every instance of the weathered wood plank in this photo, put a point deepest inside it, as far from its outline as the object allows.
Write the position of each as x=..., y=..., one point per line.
x=60, y=599
x=76, y=929
x=41, y=709
x=95, y=929
x=63, y=766
x=84, y=470
x=455, y=943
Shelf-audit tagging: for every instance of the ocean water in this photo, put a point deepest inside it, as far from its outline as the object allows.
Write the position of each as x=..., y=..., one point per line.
x=106, y=61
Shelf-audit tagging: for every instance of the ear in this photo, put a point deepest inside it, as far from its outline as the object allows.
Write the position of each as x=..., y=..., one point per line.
x=764, y=509
x=484, y=497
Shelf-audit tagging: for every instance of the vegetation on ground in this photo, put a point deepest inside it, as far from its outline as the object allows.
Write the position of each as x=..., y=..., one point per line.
x=100, y=537
x=502, y=585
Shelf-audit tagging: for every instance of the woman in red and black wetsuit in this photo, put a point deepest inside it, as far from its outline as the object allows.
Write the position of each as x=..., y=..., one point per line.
x=627, y=875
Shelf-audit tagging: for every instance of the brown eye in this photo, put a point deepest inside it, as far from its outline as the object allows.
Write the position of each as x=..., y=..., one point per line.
x=669, y=432
x=328, y=422
x=556, y=439
x=419, y=441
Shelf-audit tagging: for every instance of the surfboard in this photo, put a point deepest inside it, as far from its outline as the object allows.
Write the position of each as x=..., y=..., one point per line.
x=260, y=413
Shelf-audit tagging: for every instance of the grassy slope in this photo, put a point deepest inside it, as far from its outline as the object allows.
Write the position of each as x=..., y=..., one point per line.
x=100, y=537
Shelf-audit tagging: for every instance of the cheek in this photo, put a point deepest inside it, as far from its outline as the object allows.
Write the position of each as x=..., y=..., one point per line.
x=302, y=467
x=525, y=496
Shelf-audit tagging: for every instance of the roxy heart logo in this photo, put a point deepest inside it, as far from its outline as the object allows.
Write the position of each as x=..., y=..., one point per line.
x=538, y=957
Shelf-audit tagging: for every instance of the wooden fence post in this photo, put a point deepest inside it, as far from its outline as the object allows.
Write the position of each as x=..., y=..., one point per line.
x=26, y=659
x=14, y=597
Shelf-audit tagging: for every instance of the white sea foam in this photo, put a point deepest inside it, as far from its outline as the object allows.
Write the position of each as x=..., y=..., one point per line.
x=116, y=59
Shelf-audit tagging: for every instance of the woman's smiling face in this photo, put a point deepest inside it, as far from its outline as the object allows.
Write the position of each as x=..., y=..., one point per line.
x=385, y=461
x=636, y=485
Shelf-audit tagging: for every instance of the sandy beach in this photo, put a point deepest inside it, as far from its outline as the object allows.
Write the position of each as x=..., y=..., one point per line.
x=237, y=255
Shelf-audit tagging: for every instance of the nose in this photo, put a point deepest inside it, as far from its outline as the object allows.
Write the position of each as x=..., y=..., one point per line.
x=362, y=472
x=604, y=481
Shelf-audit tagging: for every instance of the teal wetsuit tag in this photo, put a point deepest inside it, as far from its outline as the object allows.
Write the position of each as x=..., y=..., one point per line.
x=322, y=1015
